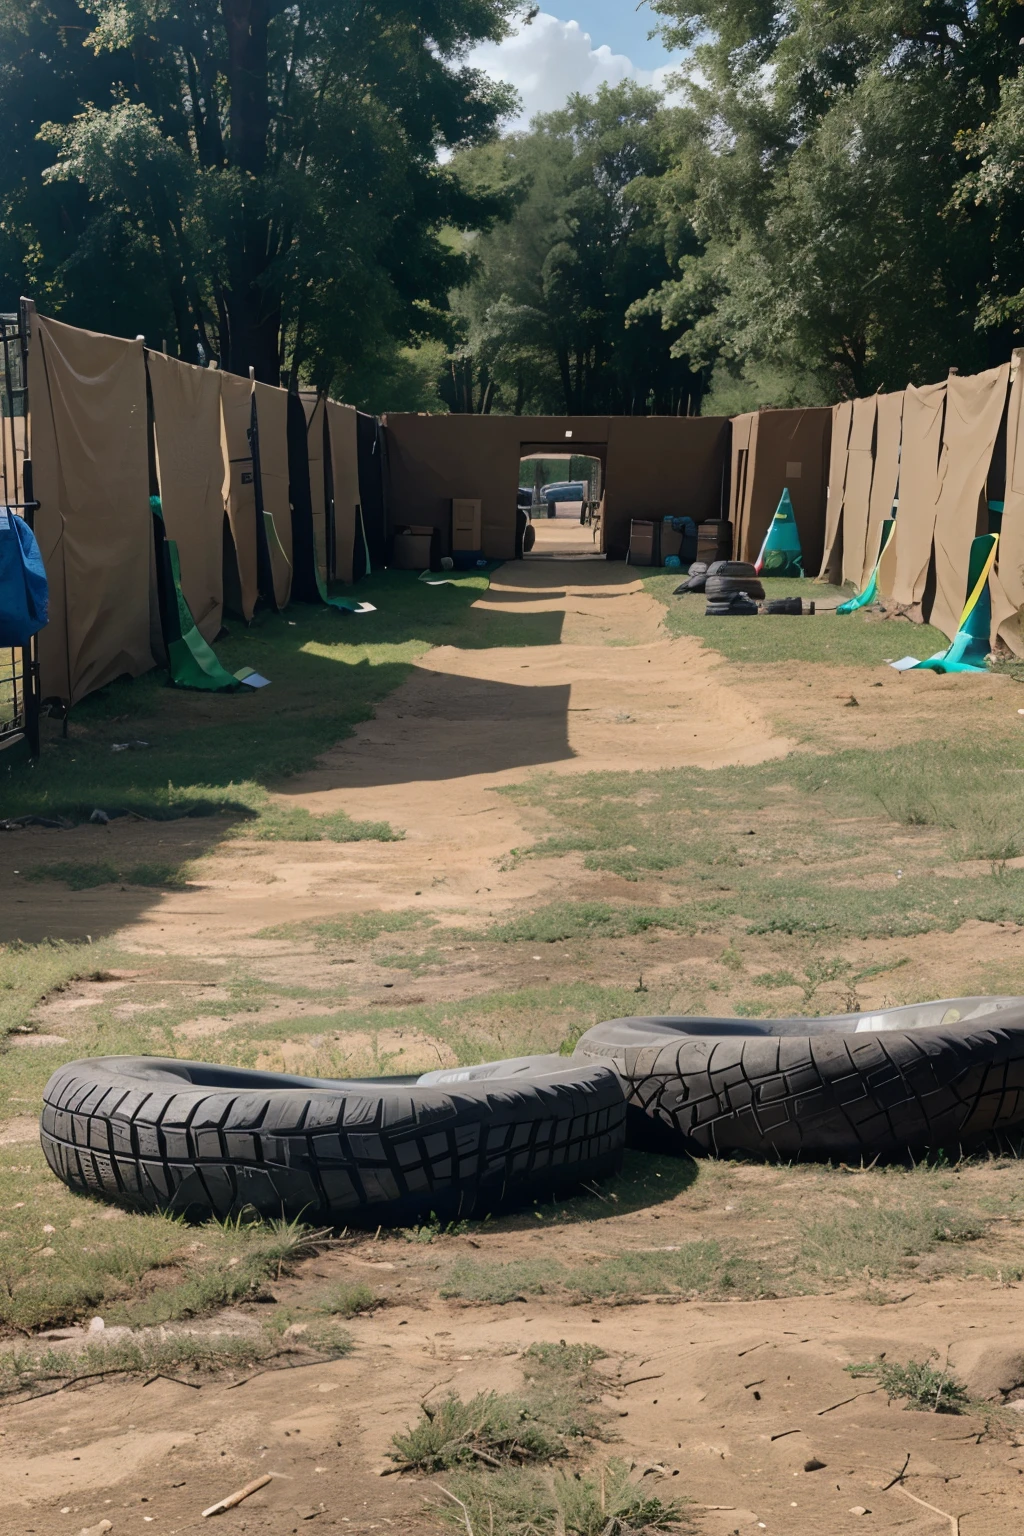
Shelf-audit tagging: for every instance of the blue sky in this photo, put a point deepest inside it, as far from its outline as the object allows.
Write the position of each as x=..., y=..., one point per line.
x=574, y=48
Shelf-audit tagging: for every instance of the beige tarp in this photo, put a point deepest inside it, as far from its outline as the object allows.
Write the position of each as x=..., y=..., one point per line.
x=238, y=490
x=272, y=425
x=87, y=397
x=884, y=477
x=832, y=556
x=919, y=490
x=974, y=411
x=1008, y=588
x=313, y=405
x=190, y=464
x=857, y=493
x=741, y=433
x=341, y=424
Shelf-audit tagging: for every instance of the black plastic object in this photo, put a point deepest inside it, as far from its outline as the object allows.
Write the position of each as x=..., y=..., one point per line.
x=214, y=1141
x=718, y=587
x=783, y=605
x=735, y=605
x=940, y=1075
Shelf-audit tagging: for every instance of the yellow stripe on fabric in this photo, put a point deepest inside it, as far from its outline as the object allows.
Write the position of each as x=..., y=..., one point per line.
x=981, y=582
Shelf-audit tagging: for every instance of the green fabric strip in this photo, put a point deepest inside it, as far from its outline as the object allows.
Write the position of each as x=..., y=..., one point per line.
x=192, y=661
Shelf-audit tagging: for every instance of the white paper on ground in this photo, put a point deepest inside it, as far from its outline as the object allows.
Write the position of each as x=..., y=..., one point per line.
x=904, y=664
x=254, y=680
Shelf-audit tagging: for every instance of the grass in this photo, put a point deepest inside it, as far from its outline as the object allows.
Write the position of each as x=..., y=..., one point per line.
x=692, y=1269
x=355, y=928
x=918, y=1384
x=150, y=1355
x=217, y=753
x=86, y=876
x=851, y=639
x=608, y=1501
x=879, y=1240
x=535, y=1424
x=900, y=832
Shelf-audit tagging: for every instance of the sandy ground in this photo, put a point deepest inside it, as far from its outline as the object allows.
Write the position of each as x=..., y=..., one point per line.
x=729, y=1403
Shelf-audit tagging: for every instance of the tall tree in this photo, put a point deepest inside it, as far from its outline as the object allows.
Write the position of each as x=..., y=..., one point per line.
x=256, y=178
x=546, y=319
x=837, y=254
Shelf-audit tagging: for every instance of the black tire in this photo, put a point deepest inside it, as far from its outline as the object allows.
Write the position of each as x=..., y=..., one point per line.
x=732, y=568
x=529, y=538
x=947, y=1074
x=183, y=1136
x=735, y=608
x=697, y=568
x=718, y=587
x=784, y=605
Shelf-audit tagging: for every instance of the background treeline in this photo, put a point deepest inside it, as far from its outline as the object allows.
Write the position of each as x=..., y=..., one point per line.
x=835, y=205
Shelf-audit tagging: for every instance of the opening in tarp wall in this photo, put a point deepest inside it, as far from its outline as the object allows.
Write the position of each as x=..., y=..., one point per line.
x=274, y=537
x=342, y=427
x=371, y=442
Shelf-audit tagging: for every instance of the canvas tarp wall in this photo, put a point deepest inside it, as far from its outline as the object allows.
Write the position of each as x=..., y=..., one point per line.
x=341, y=426
x=857, y=490
x=87, y=402
x=239, y=490
x=661, y=466
x=190, y=467
x=884, y=478
x=272, y=485
x=974, y=411
x=313, y=405
x=1008, y=589
x=372, y=444
x=786, y=450
x=654, y=466
x=919, y=490
x=832, y=554
x=739, y=459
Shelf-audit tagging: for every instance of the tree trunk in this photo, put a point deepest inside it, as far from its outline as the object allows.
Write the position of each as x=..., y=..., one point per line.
x=252, y=301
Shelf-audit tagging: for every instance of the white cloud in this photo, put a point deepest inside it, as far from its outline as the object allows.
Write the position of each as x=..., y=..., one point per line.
x=550, y=59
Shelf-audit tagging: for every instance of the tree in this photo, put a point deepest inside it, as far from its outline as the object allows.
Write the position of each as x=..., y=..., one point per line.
x=257, y=178
x=546, y=319
x=837, y=255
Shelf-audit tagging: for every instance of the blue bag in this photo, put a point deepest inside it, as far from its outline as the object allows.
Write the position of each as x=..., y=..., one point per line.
x=23, y=588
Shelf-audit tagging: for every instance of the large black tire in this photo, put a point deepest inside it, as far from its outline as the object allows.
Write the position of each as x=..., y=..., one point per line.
x=718, y=587
x=183, y=1136
x=937, y=1075
x=731, y=568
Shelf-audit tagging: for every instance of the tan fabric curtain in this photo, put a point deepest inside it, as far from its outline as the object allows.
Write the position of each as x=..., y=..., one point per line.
x=743, y=429
x=190, y=464
x=884, y=477
x=919, y=489
x=341, y=424
x=91, y=469
x=974, y=411
x=313, y=405
x=857, y=495
x=1008, y=589
x=831, y=560
x=238, y=490
x=272, y=423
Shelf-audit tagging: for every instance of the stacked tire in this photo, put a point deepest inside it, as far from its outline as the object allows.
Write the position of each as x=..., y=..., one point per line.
x=727, y=577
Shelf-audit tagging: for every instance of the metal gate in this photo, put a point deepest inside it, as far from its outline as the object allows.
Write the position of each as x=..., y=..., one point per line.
x=19, y=668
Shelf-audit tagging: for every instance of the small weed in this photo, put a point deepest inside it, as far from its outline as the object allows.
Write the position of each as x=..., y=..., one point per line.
x=522, y=1502
x=431, y=1230
x=609, y=1502
x=773, y=979
x=294, y=824
x=352, y=1301
x=918, y=1382
x=489, y=1428
x=358, y=927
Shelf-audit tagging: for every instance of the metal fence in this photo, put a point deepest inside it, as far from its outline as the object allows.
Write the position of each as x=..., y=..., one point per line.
x=19, y=670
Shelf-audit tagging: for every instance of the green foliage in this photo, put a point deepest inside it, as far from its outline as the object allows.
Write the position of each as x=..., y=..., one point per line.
x=610, y=1502
x=544, y=320
x=918, y=1382
x=86, y=877
x=693, y=1269
x=455, y=1433
x=259, y=202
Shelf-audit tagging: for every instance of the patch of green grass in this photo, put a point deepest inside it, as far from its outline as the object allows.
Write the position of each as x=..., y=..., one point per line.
x=851, y=639
x=918, y=1384
x=692, y=1269
x=87, y=876
x=879, y=1240
x=415, y=962
x=587, y=919
x=294, y=824
x=534, y=1425
x=29, y=971
x=211, y=753
x=351, y=1301
x=353, y=928
x=608, y=1501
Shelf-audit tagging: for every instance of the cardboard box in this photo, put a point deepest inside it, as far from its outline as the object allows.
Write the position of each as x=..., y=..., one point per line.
x=466, y=523
x=644, y=542
x=411, y=551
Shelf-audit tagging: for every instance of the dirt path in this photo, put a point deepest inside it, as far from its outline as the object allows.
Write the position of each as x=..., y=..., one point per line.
x=745, y=1408
x=615, y=693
